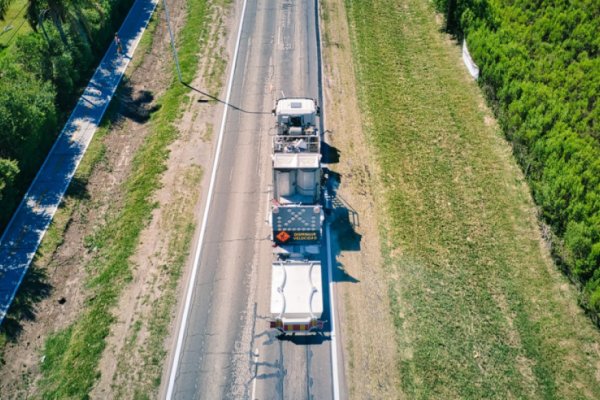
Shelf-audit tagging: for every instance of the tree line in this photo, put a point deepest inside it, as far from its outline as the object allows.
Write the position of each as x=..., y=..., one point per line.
x=41, y=77
x=541, y=72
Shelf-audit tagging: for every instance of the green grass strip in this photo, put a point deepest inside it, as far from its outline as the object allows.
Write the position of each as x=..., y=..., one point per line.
x=479, y=311
x=70, y=368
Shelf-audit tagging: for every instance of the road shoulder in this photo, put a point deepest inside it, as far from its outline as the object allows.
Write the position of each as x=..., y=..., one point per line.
x=367, y=334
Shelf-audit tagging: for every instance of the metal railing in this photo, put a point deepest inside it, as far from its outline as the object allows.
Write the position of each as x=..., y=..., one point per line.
x=297, y=143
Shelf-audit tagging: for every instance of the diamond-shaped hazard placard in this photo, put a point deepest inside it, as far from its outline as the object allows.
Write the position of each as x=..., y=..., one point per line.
x=283, y=236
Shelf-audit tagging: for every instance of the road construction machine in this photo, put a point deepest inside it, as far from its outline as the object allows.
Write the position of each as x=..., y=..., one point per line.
x=296, y=218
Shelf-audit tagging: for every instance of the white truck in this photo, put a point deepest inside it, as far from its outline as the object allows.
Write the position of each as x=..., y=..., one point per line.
x=295, y=114
x=296, y=218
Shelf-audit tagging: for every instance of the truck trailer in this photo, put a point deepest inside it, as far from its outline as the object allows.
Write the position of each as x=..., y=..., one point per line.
x=296, y=218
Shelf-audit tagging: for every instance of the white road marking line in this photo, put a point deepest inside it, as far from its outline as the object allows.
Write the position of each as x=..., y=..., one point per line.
x=190, y=288
x=334, y=358
x=323, y=120
x=255, y=375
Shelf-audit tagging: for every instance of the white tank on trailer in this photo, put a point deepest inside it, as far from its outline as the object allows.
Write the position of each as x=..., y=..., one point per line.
x=296, y=296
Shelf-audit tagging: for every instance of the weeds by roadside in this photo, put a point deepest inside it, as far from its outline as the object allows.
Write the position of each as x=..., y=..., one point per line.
x=177, y=224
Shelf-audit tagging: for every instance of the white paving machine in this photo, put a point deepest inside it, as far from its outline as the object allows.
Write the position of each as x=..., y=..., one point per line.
x=296, y=218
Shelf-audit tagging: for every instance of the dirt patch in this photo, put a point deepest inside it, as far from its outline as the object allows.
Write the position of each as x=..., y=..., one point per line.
x=370, y=350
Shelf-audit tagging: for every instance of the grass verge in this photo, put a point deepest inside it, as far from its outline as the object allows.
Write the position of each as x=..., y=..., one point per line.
x=72, y=355
x=177, y=218
x=478, y=307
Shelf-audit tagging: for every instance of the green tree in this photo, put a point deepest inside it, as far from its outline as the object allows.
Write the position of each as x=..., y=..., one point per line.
x=3, y=8
x=37, y=10
x=8, y=172
x=26, y=110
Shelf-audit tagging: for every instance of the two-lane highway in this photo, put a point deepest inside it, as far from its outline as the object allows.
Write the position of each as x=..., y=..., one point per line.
x=224, y=347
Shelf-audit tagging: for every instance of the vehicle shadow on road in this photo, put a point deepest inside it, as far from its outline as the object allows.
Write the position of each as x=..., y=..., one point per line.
x=329, y=154
x=305, y=339
x=343, y=218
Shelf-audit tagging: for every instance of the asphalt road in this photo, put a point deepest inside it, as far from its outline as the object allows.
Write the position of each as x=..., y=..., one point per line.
x=227, y=350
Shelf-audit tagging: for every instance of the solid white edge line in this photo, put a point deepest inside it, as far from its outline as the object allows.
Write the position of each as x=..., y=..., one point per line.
x=334, y=359
x=333, y=336
x=255, y=375
x=190, y=288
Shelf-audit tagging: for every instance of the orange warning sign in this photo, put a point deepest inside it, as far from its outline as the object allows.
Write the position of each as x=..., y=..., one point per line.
x=283, y=236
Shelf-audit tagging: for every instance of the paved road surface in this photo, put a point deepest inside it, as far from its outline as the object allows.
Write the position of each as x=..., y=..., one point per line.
x=25, y=231
x=227, y=349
